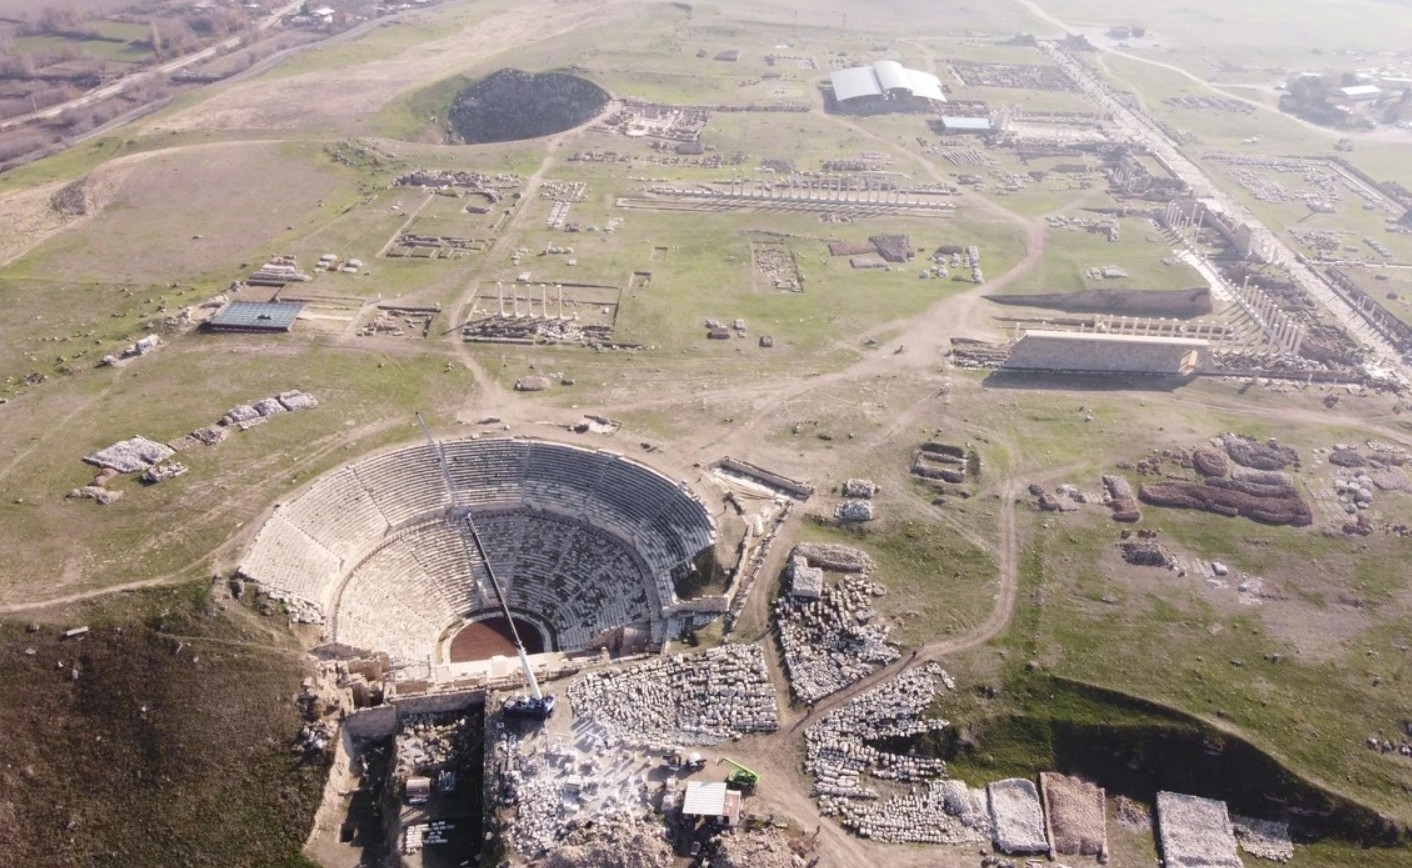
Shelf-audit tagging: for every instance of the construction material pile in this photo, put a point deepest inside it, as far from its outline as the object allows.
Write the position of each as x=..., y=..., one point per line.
x=130, y=456
x=854, y=510
x=754, y=849
x=612, y=842
x=1073, y=810
x=684, y=699
x=1017, y=818
x=944, y=812
x=863, y=488
x=833, y=641
x=843, y=559
x=247, y=416
x=839, y=751
x=1195, y=832
x=428, y=743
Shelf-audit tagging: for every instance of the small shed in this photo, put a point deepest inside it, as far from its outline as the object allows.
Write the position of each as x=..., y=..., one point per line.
x=1361, y=92
x=713, y=800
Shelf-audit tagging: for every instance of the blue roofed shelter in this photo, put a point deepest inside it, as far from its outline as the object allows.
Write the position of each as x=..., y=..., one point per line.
x=255, y=316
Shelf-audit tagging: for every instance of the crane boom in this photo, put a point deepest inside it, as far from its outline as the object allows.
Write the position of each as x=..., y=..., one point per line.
x=538, y=707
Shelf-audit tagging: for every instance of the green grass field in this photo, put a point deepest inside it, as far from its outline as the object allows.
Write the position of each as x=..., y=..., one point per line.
x=838, y=395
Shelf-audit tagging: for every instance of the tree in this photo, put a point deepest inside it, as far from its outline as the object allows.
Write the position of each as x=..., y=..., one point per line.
x=60, y=20
x=1309, y=90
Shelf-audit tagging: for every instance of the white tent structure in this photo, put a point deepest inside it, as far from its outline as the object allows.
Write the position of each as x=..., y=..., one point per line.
x=886, y=79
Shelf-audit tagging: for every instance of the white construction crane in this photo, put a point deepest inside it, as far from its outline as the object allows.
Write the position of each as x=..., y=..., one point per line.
x=536, y=706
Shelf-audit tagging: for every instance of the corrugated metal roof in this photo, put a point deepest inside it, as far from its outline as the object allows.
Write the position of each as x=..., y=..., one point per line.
x=892, y=75
x=705, y=799
x=953, y=122
x=882, y=77
x=853, y=83
x=257, y=315
x=925, y=85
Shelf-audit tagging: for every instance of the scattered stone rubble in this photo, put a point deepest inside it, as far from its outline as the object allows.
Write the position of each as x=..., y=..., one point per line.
x=752, y=849
x=1388, y=746
x=854, y=510
x=1145, y=551
x=839, y=751
x=142, y=347
x=99, y=493
x=162, y=472
x=1134, y=816
x=684, y=698
x=1064, y=498
x=863, y=488
x=612, y=842
x=589, y=805
x=828, y=556
x=476, y=182
x=1263, y=839
x=314, y=738
x=427, y=743
x=1120, y=498
x=246, y=416
x=832, y=641
x=590, y=797
x=1257, y=486
x=130, y=456
x=941, y=462
x=279, y=271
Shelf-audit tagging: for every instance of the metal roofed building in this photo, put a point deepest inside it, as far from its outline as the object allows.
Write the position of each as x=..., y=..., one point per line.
x=959, y=124
x=711, y=799
x=1361, y=92
x=885, y=80
x=255, y=316
x=1098, y=353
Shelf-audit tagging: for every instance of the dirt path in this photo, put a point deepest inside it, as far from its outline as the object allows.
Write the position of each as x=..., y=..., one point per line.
x=491, y=398
x=777, y=756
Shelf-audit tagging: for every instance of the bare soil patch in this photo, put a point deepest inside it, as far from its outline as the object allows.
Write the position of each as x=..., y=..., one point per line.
x=174, y=214
x=341, y=97
x=485, y=639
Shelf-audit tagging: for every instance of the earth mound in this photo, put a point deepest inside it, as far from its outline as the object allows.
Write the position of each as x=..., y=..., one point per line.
x=512, y=104
x=1178, y=303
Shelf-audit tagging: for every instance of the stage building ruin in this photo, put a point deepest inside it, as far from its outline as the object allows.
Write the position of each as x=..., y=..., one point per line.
x=1087, y=352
